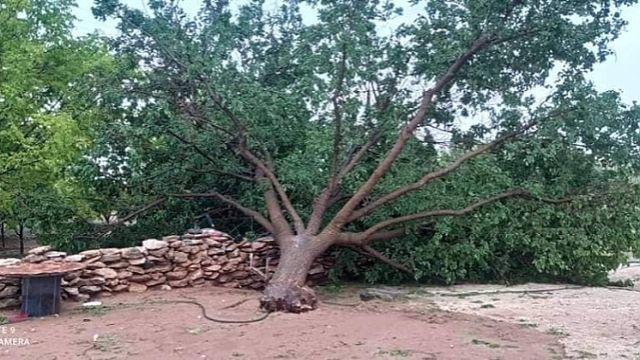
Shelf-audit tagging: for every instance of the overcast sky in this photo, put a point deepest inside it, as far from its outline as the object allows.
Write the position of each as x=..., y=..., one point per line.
x=620, y=72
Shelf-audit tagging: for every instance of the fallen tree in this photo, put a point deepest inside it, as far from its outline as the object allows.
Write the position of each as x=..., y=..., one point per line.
x=276, y=106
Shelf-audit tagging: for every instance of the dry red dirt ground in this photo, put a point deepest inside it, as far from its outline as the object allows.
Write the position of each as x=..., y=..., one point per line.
x=133, y=327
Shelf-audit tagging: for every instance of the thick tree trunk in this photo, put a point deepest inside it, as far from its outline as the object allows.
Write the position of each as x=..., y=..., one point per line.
x=286, y=290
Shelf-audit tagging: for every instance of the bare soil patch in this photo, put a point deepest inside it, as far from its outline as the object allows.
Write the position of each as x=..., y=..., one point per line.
x=131, y=327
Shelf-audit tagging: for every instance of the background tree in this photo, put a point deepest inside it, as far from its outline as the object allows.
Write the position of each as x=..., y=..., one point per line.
x=47, y=113
x=325, y=133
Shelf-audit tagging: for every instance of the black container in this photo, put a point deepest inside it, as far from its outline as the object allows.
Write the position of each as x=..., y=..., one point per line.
x=41, y=295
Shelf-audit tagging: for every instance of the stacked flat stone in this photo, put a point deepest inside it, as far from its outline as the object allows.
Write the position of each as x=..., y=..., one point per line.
x=210, y=257
x=9, y=288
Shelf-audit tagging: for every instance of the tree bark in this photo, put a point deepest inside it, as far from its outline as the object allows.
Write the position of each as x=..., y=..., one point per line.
x=286, y=291
x=21, y=235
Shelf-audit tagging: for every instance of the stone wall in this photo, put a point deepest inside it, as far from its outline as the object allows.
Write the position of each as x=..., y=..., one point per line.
x=207, y=258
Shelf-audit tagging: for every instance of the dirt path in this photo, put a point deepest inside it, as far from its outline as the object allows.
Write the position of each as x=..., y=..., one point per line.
x=373, y=330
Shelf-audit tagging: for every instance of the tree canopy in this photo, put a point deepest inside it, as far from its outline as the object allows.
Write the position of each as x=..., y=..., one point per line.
x=331, y=132
x=461, y=141
x=46, y=114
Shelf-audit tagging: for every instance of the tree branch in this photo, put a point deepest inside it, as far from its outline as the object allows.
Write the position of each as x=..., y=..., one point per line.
x=324, y=200
x=252, y=158
x=479, y=150
x=218, y=100
x=386, y=260
x=337, y=115
x=355, y=159
x=207, y=157
x=247, y=211
x=450, y=212
x=297, y=221
x=343, y=215
x=198, y=118
x=371, y=252
x=441, y=212
x=357, y=239
x=280, y=224
x=321, y=203
x=149, y=206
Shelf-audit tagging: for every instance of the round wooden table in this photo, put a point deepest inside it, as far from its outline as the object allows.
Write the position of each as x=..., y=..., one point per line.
x=40, y=284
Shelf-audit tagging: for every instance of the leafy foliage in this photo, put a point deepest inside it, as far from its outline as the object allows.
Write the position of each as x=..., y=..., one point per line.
x=46, y=115
x=189, y=97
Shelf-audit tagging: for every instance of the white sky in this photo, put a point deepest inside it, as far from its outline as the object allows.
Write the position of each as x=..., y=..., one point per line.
x=620, y=72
